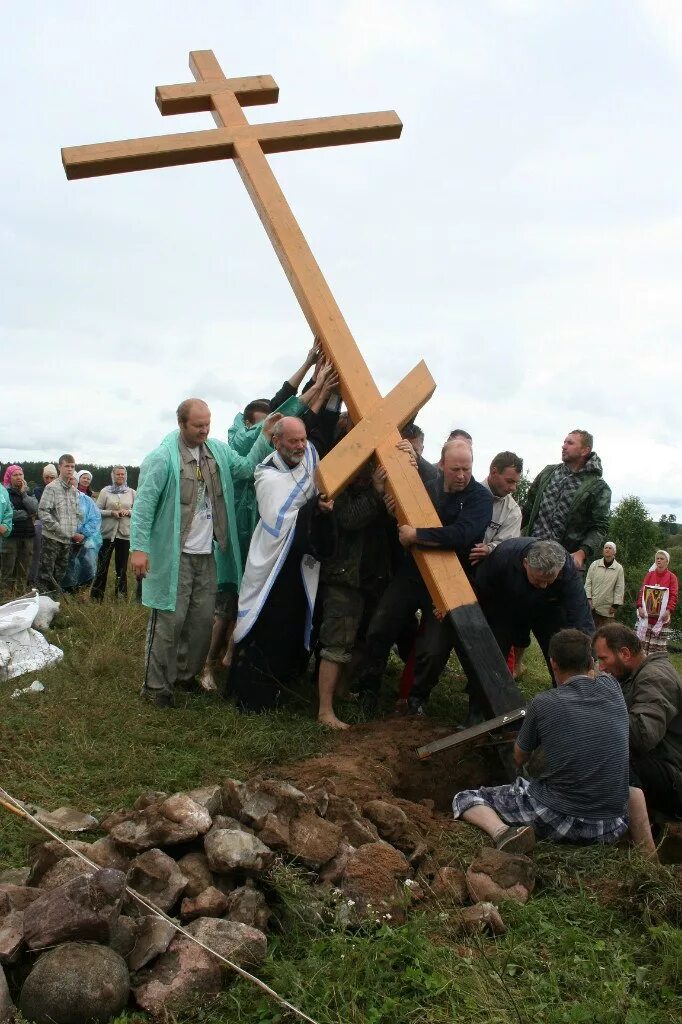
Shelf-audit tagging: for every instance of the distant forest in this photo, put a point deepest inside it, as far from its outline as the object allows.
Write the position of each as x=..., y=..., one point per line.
x=101, y=475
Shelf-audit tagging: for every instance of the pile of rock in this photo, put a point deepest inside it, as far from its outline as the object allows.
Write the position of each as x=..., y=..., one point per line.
x=206, y=856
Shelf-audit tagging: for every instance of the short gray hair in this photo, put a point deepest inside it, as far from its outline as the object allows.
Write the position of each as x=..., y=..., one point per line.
x=546, y=557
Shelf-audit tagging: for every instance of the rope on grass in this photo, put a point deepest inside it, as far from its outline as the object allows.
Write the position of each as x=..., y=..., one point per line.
x=10, y=803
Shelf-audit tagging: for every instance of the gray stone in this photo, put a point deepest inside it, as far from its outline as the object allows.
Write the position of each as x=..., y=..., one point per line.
x=185, y=971
x=153, y=938
x=209, y=903
x=181, y=809
x=194, y=867
x=359, y=831
x=482, y=917
x=49, y=853
x=64, y=870
x=124, y=935
x=11, y=936
x=150, y=798
x=232, y=796
x=274, y=832
x=15, y=876
x=263, y=797
x=495, y=875
x=157, y=877
x=313, y=840
x=66, y=819
x=240, y=943
x=450, y=885
x=16, y=897
x=149, y=828
x=76, y=983
x=332, y=872
x=355, y=829
x=341, y=809
x=390, y=820
x=229, y=850
x=85, y=908
x=209, y=797
x=226, y=821
x=106, y=853
x=7, y=1007
x=248, y=906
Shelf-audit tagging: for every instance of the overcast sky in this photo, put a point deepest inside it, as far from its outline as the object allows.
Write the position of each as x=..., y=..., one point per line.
x=524, y=236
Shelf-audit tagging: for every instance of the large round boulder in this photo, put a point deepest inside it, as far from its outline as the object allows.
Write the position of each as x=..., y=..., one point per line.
x=76, y=983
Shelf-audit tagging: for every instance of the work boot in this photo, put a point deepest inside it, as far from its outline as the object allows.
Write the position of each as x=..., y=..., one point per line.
x=415, y=706
x=516, y=839
x=159, y=700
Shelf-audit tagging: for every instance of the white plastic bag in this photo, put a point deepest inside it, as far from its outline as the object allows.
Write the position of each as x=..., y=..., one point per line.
x=23, y=649
x=47, y=609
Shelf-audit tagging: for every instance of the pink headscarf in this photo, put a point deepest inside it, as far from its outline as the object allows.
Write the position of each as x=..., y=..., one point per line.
x=7, y=478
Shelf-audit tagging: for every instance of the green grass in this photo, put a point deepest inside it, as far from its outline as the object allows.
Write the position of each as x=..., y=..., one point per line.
x=599, y=943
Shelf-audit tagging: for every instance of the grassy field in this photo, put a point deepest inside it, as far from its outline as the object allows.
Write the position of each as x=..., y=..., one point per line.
x=599, y=942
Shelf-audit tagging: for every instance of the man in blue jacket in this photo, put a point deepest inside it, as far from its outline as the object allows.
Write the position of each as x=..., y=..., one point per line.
x=465, y=508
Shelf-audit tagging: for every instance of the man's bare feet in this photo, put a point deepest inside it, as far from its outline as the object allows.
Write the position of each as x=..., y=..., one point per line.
x=331, y=721
x=207, y=680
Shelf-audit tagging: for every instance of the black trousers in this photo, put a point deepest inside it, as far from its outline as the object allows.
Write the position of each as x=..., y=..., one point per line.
x=120, y=548
x=392, y=620
x=661, y=782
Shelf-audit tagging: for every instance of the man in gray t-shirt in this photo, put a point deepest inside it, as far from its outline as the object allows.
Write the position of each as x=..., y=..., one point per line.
x=581, y=793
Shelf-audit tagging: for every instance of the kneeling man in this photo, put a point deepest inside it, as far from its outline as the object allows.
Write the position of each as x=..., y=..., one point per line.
x=582, y=792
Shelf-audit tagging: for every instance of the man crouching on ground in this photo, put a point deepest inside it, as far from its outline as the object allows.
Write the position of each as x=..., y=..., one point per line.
x=582, y=792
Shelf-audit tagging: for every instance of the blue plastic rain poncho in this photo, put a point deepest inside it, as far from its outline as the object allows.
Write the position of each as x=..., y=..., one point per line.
x=242, y=438
x=6, y=514
x=155, y=522
x=83, y=559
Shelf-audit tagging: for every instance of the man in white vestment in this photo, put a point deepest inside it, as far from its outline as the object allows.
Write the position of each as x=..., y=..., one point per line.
x=279, y=586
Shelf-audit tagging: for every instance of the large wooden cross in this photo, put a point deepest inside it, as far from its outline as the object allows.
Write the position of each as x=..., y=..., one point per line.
x=377, y=420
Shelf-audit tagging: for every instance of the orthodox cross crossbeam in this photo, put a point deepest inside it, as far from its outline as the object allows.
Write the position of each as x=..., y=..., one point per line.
x=377, y=420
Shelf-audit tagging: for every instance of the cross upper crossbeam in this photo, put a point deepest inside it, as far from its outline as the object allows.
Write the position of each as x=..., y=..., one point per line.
x=219, y=143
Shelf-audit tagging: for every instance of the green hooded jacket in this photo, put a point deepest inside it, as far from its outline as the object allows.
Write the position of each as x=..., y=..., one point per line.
x=242, y=438
x=155, y=521
x=588, y=516
x=6, y=513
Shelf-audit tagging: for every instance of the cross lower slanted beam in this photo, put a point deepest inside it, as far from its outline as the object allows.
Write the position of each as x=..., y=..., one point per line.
x=248, y=145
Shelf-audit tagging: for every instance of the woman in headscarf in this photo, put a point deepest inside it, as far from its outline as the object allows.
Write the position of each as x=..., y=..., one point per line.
x=115, y=503
x=50, y=473
x=655, y=604
x=84, y=478
x=17, y=549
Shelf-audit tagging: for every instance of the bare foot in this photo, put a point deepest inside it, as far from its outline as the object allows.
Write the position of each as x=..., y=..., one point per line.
x=331, y=721
x=207, y=682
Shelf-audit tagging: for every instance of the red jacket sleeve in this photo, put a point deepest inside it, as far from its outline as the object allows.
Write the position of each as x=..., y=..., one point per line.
x=674, y=591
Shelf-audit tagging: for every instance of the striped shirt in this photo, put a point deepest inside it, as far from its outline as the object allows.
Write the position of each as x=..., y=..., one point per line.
x=582, y=727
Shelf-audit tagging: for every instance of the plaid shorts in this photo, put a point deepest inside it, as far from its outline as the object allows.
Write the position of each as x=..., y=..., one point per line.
x=516, y=806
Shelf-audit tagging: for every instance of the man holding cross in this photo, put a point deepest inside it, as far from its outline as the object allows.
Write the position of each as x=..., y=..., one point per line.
x=465, y=508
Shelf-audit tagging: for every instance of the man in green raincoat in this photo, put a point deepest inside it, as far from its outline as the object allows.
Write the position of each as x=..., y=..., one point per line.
x=184, y=542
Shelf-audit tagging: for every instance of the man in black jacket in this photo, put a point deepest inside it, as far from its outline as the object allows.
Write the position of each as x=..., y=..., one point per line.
x=464, y=507
x=529, y=585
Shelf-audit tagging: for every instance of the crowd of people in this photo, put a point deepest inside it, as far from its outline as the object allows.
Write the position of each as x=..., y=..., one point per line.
x=245, y=565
